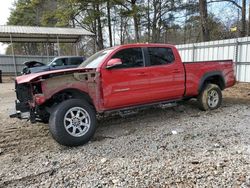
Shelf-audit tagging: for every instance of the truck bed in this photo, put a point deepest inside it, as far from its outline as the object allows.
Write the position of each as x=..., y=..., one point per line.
x=196, y=71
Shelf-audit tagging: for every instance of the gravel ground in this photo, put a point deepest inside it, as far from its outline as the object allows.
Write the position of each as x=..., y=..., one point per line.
x=174, y=147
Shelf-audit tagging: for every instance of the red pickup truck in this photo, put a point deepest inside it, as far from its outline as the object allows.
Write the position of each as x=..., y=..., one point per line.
x=120, y=79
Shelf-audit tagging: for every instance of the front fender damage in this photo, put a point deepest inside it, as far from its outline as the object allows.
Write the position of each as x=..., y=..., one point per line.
x=40, y=91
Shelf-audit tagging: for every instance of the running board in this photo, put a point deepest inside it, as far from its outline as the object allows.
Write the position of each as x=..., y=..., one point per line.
x=168, y=105
x=125, y=113
x=135, y=109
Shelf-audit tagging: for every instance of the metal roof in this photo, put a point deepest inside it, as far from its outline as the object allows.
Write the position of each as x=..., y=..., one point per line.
x=41, y=34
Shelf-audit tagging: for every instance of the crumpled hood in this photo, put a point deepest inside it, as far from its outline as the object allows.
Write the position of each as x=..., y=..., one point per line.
x=32, y=77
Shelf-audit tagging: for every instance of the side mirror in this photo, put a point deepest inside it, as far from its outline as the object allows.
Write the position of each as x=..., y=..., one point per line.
x=113, y=63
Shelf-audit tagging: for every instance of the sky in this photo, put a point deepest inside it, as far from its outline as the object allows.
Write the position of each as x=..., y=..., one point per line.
x=4, y=14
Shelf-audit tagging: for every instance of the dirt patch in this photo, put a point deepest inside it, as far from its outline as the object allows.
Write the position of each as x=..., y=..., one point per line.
x=238, y=93
x=8, y=79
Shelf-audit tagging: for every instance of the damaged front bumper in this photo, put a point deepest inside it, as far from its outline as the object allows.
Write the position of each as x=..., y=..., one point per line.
x=23, y=108
x=22, y=111
x=20, y=115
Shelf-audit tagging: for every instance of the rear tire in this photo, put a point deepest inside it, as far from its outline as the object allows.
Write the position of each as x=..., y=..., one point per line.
x=210, y=97
x=73, y=122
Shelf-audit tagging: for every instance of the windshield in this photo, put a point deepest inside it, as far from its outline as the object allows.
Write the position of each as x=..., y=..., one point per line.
x=50, y=62
x=95, y=60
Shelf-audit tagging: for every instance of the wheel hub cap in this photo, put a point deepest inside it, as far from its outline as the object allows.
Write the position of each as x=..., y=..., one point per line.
x=77, y=121
x=213, y=98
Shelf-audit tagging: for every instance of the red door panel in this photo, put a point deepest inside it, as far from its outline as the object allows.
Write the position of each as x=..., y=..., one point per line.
x=126, y=84
x=167, y=74
x=124, y=87
x=167, y=82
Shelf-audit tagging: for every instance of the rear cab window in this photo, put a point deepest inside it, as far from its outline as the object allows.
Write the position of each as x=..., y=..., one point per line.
x=160, y=56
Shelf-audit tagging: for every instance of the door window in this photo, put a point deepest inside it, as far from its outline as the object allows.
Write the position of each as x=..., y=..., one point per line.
x=131, y=58
x=59, y=62
x=75, y=61
x=160, y=56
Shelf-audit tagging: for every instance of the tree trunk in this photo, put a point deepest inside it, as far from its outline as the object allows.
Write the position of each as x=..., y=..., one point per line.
x=136, y=26
x=99, y=29
x=136, y=21
x=154, y=22
x=109, y=24
x=121, y=31
x=243, y=19
x=148, y=16
x=204, y=20
x=94, y=30
x=159, y=24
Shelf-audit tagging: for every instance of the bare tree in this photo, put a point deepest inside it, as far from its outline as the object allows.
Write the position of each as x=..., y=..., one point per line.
x=148, y=19
x=136, y=20
x=99, y=28
x=243, y=19
x=204, y=20
x=109, y=23
x=242, y=8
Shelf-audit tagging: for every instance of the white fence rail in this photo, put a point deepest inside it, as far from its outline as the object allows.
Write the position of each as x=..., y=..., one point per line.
x=237, y=49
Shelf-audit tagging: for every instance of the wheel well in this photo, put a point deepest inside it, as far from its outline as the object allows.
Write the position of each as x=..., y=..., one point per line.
x=68, y=94
x=215, y=79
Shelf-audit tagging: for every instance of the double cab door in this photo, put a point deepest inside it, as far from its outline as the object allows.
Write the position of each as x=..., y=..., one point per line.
x=146, y=75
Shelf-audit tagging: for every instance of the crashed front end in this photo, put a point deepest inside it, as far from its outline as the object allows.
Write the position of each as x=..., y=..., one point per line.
x=27, y=95
x=38, y=93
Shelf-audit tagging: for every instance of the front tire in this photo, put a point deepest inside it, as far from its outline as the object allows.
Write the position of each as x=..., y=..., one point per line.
x=73, y=122
x=210, y=97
